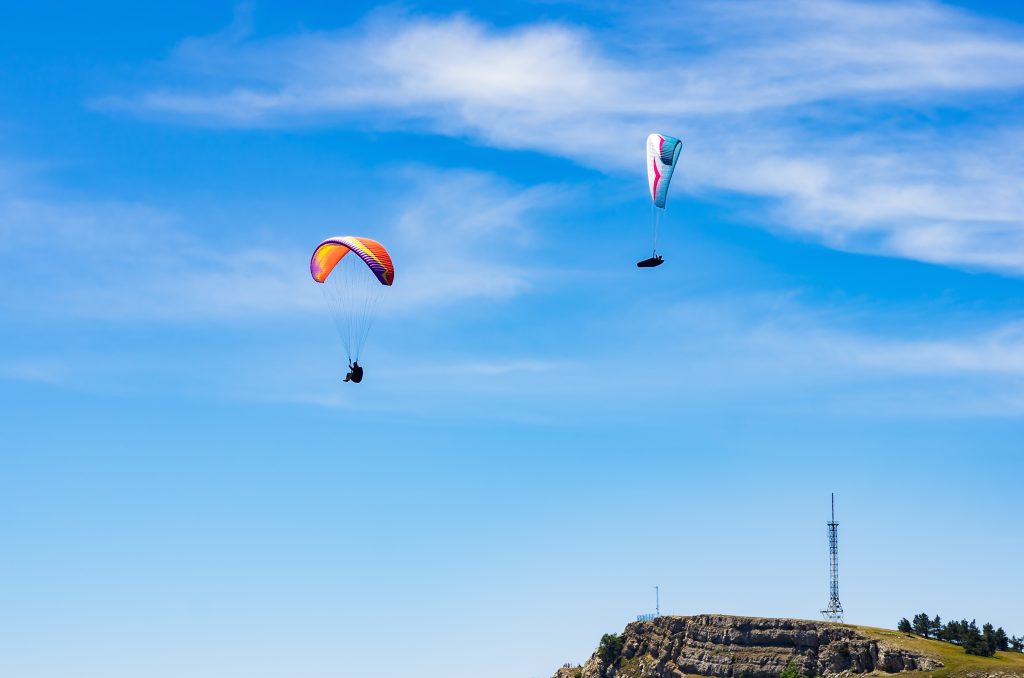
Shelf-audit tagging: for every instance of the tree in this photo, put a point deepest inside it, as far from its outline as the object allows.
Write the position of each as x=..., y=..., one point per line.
x=922, y=624
x=936, y=626
x=963, y=631
x=610, y=648
x=984, y=641
x=989, y=634
x=1002, y=642
x=977, y=645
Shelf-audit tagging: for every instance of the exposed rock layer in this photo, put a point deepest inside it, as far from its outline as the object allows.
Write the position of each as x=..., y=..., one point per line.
x=752, y=647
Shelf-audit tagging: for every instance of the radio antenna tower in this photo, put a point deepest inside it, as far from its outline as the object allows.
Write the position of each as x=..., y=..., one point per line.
x=834, y=611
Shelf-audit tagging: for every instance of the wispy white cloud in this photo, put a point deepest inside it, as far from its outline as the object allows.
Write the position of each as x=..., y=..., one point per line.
x=129, y=262
x=796, y=102
x=775, y=354
x=47, y=371
x=718, y=354
x=464, y=235
x=768, y=353
x=823, y=349
x=709, y=354
x=457, y=236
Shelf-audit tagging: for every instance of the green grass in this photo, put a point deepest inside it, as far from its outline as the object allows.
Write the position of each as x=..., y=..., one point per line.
x=956, y=661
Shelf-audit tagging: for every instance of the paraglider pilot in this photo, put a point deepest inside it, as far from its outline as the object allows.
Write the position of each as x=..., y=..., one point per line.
x=355, y=372
x=655, y=260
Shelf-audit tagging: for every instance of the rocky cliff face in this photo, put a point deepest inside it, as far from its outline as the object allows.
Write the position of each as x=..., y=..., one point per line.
x=747, y=647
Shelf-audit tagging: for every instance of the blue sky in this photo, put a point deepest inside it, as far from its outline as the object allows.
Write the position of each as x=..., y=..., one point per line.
x=544, y=432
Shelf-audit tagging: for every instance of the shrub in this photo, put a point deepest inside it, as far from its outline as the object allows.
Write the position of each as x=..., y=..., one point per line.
x=610, y=648
x=791, y=671
x=977, y=645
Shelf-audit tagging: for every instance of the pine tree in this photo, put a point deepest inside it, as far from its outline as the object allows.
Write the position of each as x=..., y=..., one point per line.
x=989, y=634
x=984, y=641
x=958, y=631
x=1002, y=642
x=936, y=626
x=922, y=624
x=976, y=645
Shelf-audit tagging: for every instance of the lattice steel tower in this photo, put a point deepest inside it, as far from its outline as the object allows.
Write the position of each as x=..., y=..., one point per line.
x=834, y=611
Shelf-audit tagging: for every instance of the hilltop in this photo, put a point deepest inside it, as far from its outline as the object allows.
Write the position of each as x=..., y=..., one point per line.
x=726, y=646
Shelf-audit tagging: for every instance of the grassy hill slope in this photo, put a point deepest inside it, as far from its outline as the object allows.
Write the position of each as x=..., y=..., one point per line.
x=957, y=662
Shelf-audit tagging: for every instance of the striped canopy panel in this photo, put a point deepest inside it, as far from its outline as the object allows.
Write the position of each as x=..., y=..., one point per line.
x=328, y=253
x=662, y=155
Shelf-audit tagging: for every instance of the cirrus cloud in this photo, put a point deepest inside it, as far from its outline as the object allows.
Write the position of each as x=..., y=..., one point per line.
x=803, y=104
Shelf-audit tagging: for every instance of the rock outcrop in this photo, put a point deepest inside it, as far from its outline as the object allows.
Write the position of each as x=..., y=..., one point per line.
x=746, y=647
